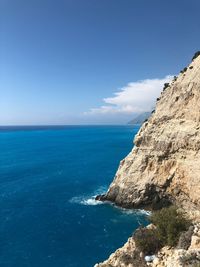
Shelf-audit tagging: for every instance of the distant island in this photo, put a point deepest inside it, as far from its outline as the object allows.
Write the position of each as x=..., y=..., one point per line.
x=139, y=119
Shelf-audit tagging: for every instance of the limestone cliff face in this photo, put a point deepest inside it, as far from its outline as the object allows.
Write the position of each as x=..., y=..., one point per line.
x=164, y=167
x=164, y=164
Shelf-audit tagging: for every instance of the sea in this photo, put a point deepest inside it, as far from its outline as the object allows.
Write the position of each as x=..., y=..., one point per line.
x=49, y=177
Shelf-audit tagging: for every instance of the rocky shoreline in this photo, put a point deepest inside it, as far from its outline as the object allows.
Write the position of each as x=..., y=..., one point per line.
x=129, y=256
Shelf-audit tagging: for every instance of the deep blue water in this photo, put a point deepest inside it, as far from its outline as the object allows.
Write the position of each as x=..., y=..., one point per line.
x=47, y=179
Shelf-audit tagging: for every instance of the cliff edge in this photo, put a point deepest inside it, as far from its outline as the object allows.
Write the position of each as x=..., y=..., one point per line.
x=164, y=165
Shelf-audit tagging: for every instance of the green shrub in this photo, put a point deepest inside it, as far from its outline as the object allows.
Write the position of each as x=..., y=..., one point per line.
x=184, y=70
x=169, y=224
x=196, y=55
x=146, y=240
x=165, y=86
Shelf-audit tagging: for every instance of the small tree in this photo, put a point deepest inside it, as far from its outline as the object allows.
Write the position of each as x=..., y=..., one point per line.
x=146, y=240
x=169, y=224
x=165, y=86
x=196, y=55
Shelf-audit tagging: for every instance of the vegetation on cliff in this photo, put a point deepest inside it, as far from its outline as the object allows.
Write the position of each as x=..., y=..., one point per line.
x=168, y=224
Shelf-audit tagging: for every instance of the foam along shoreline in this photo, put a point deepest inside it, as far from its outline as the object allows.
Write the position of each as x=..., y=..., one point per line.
x=87, y=201
x=129, y=208
x=93, y=201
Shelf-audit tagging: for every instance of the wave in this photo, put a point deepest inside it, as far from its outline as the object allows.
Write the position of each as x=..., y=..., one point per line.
x=91, y=202
x=136, y=211
x=90, y=199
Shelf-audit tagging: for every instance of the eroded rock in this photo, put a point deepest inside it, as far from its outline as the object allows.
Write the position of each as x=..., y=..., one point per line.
x=163, y=167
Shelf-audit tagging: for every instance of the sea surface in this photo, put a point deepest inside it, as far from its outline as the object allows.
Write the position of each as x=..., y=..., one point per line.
x=48, y=179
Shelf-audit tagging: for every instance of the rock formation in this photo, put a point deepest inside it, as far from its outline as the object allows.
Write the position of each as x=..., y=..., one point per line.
x=128, y=256
x=164, y=165
x=164, y=168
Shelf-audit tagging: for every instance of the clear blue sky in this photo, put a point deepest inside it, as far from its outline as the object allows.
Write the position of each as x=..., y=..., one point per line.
x=59, y=59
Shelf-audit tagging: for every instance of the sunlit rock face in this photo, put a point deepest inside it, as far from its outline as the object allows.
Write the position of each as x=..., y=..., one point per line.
x=164, y=168
x=164, y=165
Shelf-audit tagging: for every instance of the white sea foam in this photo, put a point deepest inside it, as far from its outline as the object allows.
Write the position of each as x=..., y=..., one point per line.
x=146, y=212
x=136, y=211
x=89, y=200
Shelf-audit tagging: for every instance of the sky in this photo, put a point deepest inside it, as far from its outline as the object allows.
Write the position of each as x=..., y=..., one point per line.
x=90, y=61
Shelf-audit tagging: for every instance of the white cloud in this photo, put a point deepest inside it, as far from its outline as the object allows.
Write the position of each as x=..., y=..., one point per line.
x=135, y=97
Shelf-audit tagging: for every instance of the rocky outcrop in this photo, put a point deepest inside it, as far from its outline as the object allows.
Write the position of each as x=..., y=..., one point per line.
x=170, y=257
x=128, y=256
x=125, y=256
x=164, y=165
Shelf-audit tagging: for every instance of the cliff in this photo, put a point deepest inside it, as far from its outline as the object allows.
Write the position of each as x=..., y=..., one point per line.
x=164, y=168
x=164, y=165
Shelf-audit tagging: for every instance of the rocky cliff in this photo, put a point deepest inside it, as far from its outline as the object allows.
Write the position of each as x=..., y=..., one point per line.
x=164, y=165
x=164, y=168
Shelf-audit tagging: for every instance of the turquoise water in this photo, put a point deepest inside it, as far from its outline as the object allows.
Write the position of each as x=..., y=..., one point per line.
x=48, y=177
